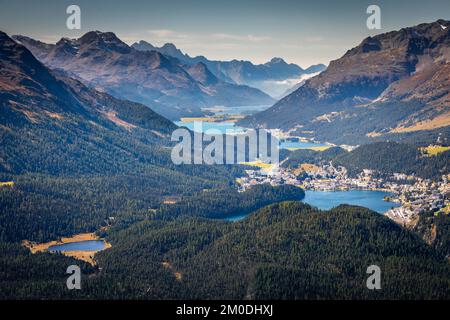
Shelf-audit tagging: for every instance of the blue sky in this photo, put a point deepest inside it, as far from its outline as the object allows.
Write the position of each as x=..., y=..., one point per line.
x=302, y=32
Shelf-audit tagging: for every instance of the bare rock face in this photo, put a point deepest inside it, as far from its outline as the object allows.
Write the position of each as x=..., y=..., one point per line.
x=101, y=60
x=409, y=66
x=30, y=88
x=53, y=123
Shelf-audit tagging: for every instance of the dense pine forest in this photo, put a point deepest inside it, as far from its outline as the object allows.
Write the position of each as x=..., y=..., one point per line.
x=384, y=157
x=284, y=251
x=77, y=160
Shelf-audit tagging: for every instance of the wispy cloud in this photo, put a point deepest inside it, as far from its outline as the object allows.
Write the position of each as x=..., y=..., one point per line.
x=259, y=48
x=249, y=37
x=167, y=34
x=173, y=35
x=46, y=38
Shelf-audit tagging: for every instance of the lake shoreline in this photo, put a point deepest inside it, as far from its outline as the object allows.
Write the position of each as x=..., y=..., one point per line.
x=87, y=256
x=320, y=205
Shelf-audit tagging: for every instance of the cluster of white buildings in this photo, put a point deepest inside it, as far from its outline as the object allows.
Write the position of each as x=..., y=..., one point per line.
x=418, y=196
x=274, y=176
x=324, y=178
x=331, y=178
x=415, y=195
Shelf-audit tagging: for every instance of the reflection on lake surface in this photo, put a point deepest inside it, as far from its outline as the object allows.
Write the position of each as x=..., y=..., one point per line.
x=89, y=245
x=223, y=127
x=326, y=200
x=373, y=200
x=231, y=128
x=242, y=110
x=323, y=200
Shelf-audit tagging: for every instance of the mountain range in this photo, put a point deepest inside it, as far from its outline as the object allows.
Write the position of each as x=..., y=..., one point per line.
x=392, y=84
x=104, y=62
x=80, y=160
x=273, y=77
x=51, y=123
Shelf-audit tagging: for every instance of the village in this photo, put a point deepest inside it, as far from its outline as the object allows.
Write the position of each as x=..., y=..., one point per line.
x=414, y=195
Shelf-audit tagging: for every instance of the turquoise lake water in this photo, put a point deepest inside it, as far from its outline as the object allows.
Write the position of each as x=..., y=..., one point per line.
x=323, y=200
x=88, y=245
x=231, y=128
x=326, y=200
x=223, y=127
x=244, y=110
x=299, y=144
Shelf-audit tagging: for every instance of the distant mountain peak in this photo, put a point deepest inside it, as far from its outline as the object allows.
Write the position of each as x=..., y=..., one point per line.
x=276, y=60
x=19, y=39
x=265, y=77
x=107, y=40
x=443, y=22
x=315, y=68
x=406, y=69
x=25, y=75
x=171, y=50
x=65, y=40
x=157, y=78
x=89, y=37
x=168, y=49
x=143, y=45
x=169, y=45
x=95, y=35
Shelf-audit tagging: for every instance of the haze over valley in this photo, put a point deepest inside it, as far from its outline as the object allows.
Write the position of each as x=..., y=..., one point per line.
x=90, y=122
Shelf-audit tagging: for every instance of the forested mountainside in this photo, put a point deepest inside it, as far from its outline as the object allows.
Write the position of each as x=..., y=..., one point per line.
x=385, y=158
x=78, y=160
x=103, y=61
x=54, y=124
x=67, y=147
x=392, y=83
x=390, y=157
x=435, y=230
x=283, y=251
